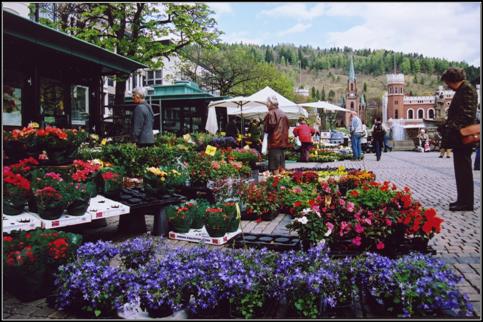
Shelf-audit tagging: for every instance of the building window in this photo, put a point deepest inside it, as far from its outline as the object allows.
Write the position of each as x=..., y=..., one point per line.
x=110, y=81
x=431, y=114
x=396, y=102
x=420, y=114
x=352, y=105
x=352, y=87
x=410, y=114
x=154, y=77
x=390, y=90
x=396, y=114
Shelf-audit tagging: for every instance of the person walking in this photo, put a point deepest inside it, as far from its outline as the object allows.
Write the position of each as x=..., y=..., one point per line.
x=378, y=132
x=143, y=119
x=276, y=125
x=356, y=134
x=461, y=113
x=387, y=137
x=304, y=133
x=363, y=139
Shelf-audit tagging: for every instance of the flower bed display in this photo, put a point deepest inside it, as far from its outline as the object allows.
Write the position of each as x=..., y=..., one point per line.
x=31, y=258
x=240, y=283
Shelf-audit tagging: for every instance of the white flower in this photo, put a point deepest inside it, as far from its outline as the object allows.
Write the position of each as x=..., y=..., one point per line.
x=327, y=234
x=302, y=220
x=306, y=211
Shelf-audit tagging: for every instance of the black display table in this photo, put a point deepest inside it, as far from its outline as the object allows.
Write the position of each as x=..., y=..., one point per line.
x=140, y=205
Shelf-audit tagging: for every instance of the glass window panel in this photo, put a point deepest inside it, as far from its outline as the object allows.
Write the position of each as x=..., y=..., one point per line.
x=158, y=74
x=150, y=74
x=51, y=101
x=12, y=105
x=80, y=105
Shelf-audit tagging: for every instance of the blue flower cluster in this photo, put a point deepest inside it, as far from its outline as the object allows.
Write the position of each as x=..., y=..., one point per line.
x=224, y=142
x=203, y=279
x=413, y=285
x=136, y=251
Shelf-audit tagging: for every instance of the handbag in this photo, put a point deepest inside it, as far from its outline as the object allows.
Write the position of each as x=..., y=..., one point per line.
x=470, y=134
x=265, y=144
x=298, y=144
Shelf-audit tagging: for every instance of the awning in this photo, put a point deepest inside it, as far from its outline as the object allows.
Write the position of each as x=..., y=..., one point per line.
x=41, y=35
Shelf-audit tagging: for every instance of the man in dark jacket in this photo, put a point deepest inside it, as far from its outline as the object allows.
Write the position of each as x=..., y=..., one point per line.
x=143, y=119
x=276, y=125
x=461, y=113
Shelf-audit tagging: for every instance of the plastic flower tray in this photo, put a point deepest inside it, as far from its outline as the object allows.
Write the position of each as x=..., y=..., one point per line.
x=101, y=207
x=23, y=221
x=66, y=220
x=201, y=236
x=273, y=242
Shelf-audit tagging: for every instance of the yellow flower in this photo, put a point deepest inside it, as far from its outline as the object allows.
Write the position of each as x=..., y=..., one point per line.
x=33, y=125
x=98, y=162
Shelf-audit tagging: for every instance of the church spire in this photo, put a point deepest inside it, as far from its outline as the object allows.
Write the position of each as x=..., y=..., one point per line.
x=352, y=74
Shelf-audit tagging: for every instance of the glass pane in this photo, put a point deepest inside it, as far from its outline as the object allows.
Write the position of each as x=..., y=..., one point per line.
x=150, y=74
x=171, y=119
x=134, y=81
x=52, y=102
x=158, y=82
x=158, y=74
x=12, y=105
x=80, y=107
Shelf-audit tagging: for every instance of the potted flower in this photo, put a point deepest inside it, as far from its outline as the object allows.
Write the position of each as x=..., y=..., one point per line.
x=179, y=218
x=197, y=210
x=110, y=181
x=159, y=181
x=78, y=199
x=60, y=144
x=41, y=179
x=216, y=222
x=30, y=258
x=86, y=172
x=232, y=210
x=16, y=192
x=50, y=203
x=259, y=203
x=136, y=252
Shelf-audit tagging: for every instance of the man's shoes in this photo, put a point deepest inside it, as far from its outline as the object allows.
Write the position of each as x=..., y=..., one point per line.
x=441, y=156
x=458, y=207
x=448, y=157
x=452, y=204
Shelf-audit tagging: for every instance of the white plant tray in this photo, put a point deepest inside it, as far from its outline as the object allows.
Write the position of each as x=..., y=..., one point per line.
x=10, y=223
x=101, y=207
x=134, y=312
x=201, y=236
x=65, y=220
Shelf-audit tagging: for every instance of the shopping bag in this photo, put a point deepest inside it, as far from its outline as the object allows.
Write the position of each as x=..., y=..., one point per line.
x=265, y=144
x=426, y=147
x=298, y=144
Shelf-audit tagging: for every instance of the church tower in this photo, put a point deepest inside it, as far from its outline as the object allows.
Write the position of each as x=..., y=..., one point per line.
x=351, y=98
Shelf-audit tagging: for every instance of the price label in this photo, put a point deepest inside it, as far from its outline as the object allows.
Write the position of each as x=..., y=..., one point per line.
x=210, y=150
x=99, y=214
x=55, y=223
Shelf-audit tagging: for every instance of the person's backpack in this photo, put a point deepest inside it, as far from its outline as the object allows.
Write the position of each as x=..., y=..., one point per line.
x=378, y=131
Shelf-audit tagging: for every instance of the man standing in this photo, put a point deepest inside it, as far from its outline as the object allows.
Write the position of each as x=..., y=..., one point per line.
x=276, y=125
x=461, y=113
x=143, y=119
x=356, y=135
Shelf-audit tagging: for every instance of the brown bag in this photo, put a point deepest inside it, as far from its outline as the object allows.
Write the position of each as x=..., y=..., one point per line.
x=470, y=134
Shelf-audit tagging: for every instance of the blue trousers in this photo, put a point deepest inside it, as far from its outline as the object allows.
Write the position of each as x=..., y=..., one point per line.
x=477, y=159
x=356, y=145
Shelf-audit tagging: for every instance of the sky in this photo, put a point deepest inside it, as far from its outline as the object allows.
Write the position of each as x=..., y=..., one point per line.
x=449, y=30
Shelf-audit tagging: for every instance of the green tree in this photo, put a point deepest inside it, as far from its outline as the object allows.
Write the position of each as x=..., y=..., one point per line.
x=406, y=66
x=331, y=95
x=365, y=87
x=317, y=95
x=269, y=55
x=312, y=93
x=322, y=95
x=131, y=29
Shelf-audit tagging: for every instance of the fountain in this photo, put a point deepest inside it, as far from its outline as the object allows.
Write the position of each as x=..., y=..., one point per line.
x=401, y=139
x=398, y=133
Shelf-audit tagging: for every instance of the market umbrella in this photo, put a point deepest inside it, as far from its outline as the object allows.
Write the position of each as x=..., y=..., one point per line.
x=211, y=122
x=325, y=106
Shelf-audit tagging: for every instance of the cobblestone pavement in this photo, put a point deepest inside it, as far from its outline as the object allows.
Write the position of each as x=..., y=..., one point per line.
x=430, y=178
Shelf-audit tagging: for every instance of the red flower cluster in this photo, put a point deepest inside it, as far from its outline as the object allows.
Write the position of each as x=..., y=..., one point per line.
x=48, y=192
x=109, y=176
x=84, y=170
x=58, y=249
x=16, y=180
x=214, y=210
x=305, y=177
x=52, y=131
x=23, y=166
x=25, y=132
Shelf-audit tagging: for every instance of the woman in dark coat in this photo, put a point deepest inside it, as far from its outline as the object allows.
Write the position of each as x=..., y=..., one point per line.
x=461, y=113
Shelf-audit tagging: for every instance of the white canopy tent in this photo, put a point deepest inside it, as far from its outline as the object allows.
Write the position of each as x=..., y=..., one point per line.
x=325, y=106
x=291, y=109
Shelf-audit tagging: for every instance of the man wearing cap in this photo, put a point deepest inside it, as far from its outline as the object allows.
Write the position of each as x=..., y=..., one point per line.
x=276, y=125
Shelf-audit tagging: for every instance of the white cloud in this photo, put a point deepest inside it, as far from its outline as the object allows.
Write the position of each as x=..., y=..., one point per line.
x=242, y=36
x=445, y=30
x=300, y=27
x=298, y=11
x=220, y=7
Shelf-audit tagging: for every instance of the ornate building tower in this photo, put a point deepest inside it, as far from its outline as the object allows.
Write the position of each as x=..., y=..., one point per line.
x=395, y=96
x=351, y=98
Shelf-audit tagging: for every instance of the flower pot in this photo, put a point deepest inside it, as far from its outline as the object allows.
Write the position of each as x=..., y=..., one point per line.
x=32, y=205
x=13, y=207
x=269, y=216
x=215, y=231
x=78, y=207
x=61, y=156
x=91, y=187
x=198, y=222
x=51, y=213
x=160, y=312
x=27, y=285
x=182, y=229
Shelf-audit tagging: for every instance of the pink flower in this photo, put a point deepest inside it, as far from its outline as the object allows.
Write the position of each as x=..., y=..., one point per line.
x=368, y=221
x=380, y=245
x=350, y=206
x=342, y=202
x=330, y=226
x=388, y=222
x=359, y=229
x=357, y=241
x=324, y=209
x=43, y=156
x=297, y=189
x=357, y=216
x=283, y=188
x=215, y=165
x=54, y=176
x=344, y=228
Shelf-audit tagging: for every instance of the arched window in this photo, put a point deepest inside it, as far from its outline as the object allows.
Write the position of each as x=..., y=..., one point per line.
x=352, y=87
x=390, y=90
x=396, y=114
x=410, y=114
x=420, y=113
x=352, y=105
x=431, y=113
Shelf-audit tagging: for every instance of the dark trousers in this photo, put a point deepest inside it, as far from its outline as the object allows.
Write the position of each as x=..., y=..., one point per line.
x=378, y=148
x=144, y=145
x=477, y=159
x=464, y=175
x=304, y=151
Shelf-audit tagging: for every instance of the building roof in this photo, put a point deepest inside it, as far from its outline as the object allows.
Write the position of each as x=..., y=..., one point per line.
x=41, y=35
x=181, y=90
x=352, y=74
